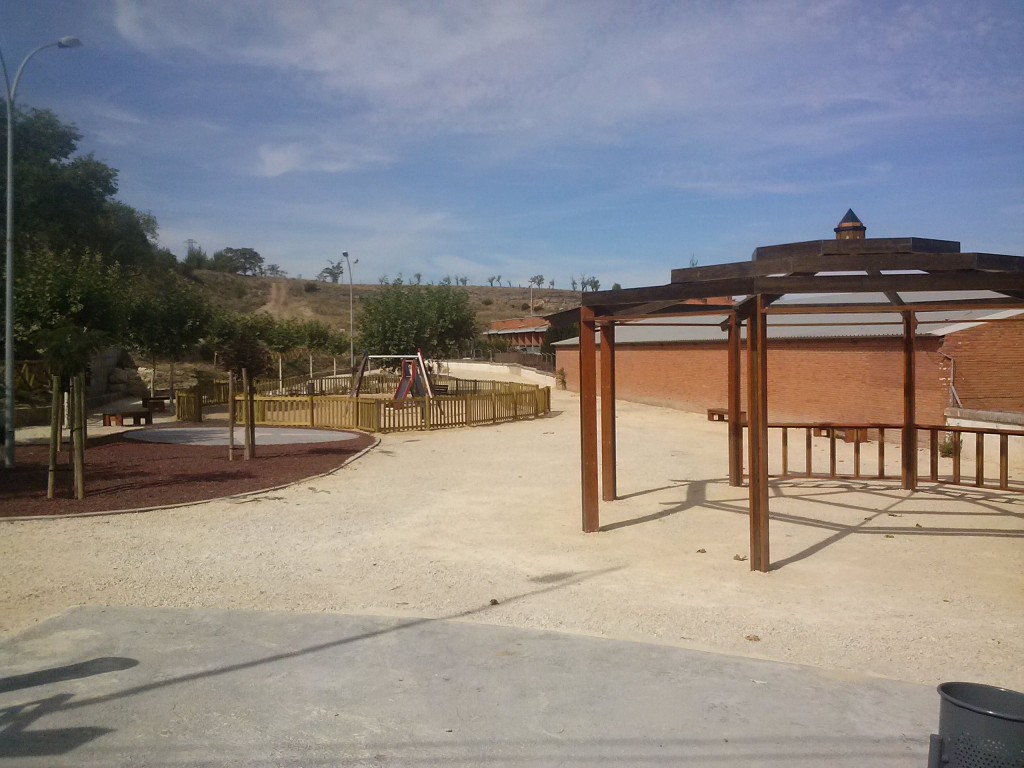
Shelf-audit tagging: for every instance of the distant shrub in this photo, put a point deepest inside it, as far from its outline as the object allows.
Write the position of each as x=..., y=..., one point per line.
x=524, y=306
x=949, y=445
x=487, y=302
x=311, y=287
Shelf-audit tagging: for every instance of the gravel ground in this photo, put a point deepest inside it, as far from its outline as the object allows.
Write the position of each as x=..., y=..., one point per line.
x=869, y=579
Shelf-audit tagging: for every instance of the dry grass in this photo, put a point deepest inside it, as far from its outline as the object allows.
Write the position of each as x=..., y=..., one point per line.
x=329, y=302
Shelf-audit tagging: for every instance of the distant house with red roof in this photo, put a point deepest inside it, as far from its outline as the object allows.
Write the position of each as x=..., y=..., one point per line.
x=523, y=333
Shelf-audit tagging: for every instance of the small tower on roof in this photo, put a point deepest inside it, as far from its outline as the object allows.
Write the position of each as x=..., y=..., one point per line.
x=850, y=228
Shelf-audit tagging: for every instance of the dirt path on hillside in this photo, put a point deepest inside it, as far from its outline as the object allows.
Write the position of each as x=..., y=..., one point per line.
x=869, y=579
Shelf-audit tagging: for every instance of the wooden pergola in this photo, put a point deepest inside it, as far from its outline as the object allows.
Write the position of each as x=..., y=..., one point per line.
x=907, y=274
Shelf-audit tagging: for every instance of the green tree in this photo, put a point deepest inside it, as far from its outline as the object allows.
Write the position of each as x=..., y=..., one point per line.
x=333, y=272
x=400, y=319
x=65, y=201
x=238, y=341
x=167, y=318
x=56, y=291
x=241, y=261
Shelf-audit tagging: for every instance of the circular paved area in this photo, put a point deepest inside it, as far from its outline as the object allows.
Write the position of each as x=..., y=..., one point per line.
x=219, y=435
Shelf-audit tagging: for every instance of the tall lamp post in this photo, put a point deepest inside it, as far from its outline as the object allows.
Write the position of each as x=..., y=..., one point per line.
x=10, y=92
x=351, y=315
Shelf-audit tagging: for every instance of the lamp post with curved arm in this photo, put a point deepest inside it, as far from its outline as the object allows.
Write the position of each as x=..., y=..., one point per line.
x=11, y=90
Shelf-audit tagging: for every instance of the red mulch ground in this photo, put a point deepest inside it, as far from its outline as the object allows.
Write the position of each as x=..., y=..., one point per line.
x=129, y=474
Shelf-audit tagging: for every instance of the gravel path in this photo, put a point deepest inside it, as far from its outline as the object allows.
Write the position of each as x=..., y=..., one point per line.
x=924, y=587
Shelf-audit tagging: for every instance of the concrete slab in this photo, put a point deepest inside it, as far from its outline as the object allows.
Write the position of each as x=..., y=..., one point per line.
x=134, y=687
x=219, y=435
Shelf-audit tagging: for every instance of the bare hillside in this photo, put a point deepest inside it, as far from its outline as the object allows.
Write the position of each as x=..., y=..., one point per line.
x=329, y=302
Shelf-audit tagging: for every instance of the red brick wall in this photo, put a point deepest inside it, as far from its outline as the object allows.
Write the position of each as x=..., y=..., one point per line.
x=989, y=373
x=808, y=380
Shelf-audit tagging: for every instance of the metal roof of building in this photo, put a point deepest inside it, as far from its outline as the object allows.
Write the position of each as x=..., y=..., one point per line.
x=707, y=328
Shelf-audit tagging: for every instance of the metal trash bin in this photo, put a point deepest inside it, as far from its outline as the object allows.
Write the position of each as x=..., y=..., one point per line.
x=980, y=726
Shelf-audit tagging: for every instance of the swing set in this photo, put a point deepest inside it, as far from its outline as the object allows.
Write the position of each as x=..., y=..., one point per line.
x=414, y=382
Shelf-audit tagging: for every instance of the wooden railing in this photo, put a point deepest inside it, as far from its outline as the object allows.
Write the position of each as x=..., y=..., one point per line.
x=948, y=462
x=379, y=415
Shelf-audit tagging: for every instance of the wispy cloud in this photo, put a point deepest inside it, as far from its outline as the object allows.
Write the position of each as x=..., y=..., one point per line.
x=279, y=159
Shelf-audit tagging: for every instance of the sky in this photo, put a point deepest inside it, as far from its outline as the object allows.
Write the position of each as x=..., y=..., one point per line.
x=482, y=138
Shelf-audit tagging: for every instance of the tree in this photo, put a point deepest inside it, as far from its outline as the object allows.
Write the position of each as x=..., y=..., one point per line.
x=616, y=287
x=332, y=272
x=274, y=270
x=237, y=340
x=400, y=319
x=491, y=279
x=195, y=257
x=167, y=317
x=241, y=261
x=573, y=283
x=65, y=202
x=56, y=291
x=551, y=283
x=537, y=280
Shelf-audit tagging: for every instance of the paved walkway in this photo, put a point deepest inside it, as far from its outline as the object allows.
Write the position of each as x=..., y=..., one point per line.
x=130, y=687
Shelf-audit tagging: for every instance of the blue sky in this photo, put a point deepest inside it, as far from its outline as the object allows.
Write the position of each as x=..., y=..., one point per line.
x=616, y=139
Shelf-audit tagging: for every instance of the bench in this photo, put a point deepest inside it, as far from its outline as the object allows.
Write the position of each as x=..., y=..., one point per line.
x=846, y=434
x=722, y=414
x=137, y=416
x=155, y=403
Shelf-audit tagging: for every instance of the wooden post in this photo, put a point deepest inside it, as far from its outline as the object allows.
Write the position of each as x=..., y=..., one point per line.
x=809, y=450
x=757, y=435
x=231, y=416
x=831, y=453
x=1004, y=464
x=979, y=459
x=908, y=471
x=881, y=452
x=56, y=412
x=933, y=455
x=785, y=452
x=79, y=441
x=248, y=415
x=957, y=445
x=735, y=404
x=588, y=420
x=609, y=488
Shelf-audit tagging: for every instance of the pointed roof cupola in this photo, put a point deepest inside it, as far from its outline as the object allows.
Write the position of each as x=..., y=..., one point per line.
x=850, y=228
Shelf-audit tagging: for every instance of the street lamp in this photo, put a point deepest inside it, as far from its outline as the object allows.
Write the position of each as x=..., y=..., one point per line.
x=10, y=92
x=351, y=315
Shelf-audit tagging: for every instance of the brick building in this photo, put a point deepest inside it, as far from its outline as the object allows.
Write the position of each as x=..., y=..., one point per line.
x=814, y=374
x=830, y=370
x=525, y=334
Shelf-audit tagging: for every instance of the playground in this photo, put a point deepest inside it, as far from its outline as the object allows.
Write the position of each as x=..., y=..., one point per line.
x=250, y=599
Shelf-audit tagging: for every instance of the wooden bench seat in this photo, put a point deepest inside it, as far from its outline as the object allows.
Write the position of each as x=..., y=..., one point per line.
x=138, y=416
x=722, y=414
x=846, y=434
x=156, y=402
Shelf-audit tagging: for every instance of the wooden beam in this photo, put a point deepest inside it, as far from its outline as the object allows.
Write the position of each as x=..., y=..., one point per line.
x=810, y=258
x=608, y=478
x=588, y=420
x=757, y=437
x=735, y=404
x=908, y=472
x=854, y=308
x=938, y=281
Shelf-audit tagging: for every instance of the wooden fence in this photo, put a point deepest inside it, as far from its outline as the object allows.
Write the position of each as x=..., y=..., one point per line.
x=955, y=455
x=465, y=402
x=380, y=415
